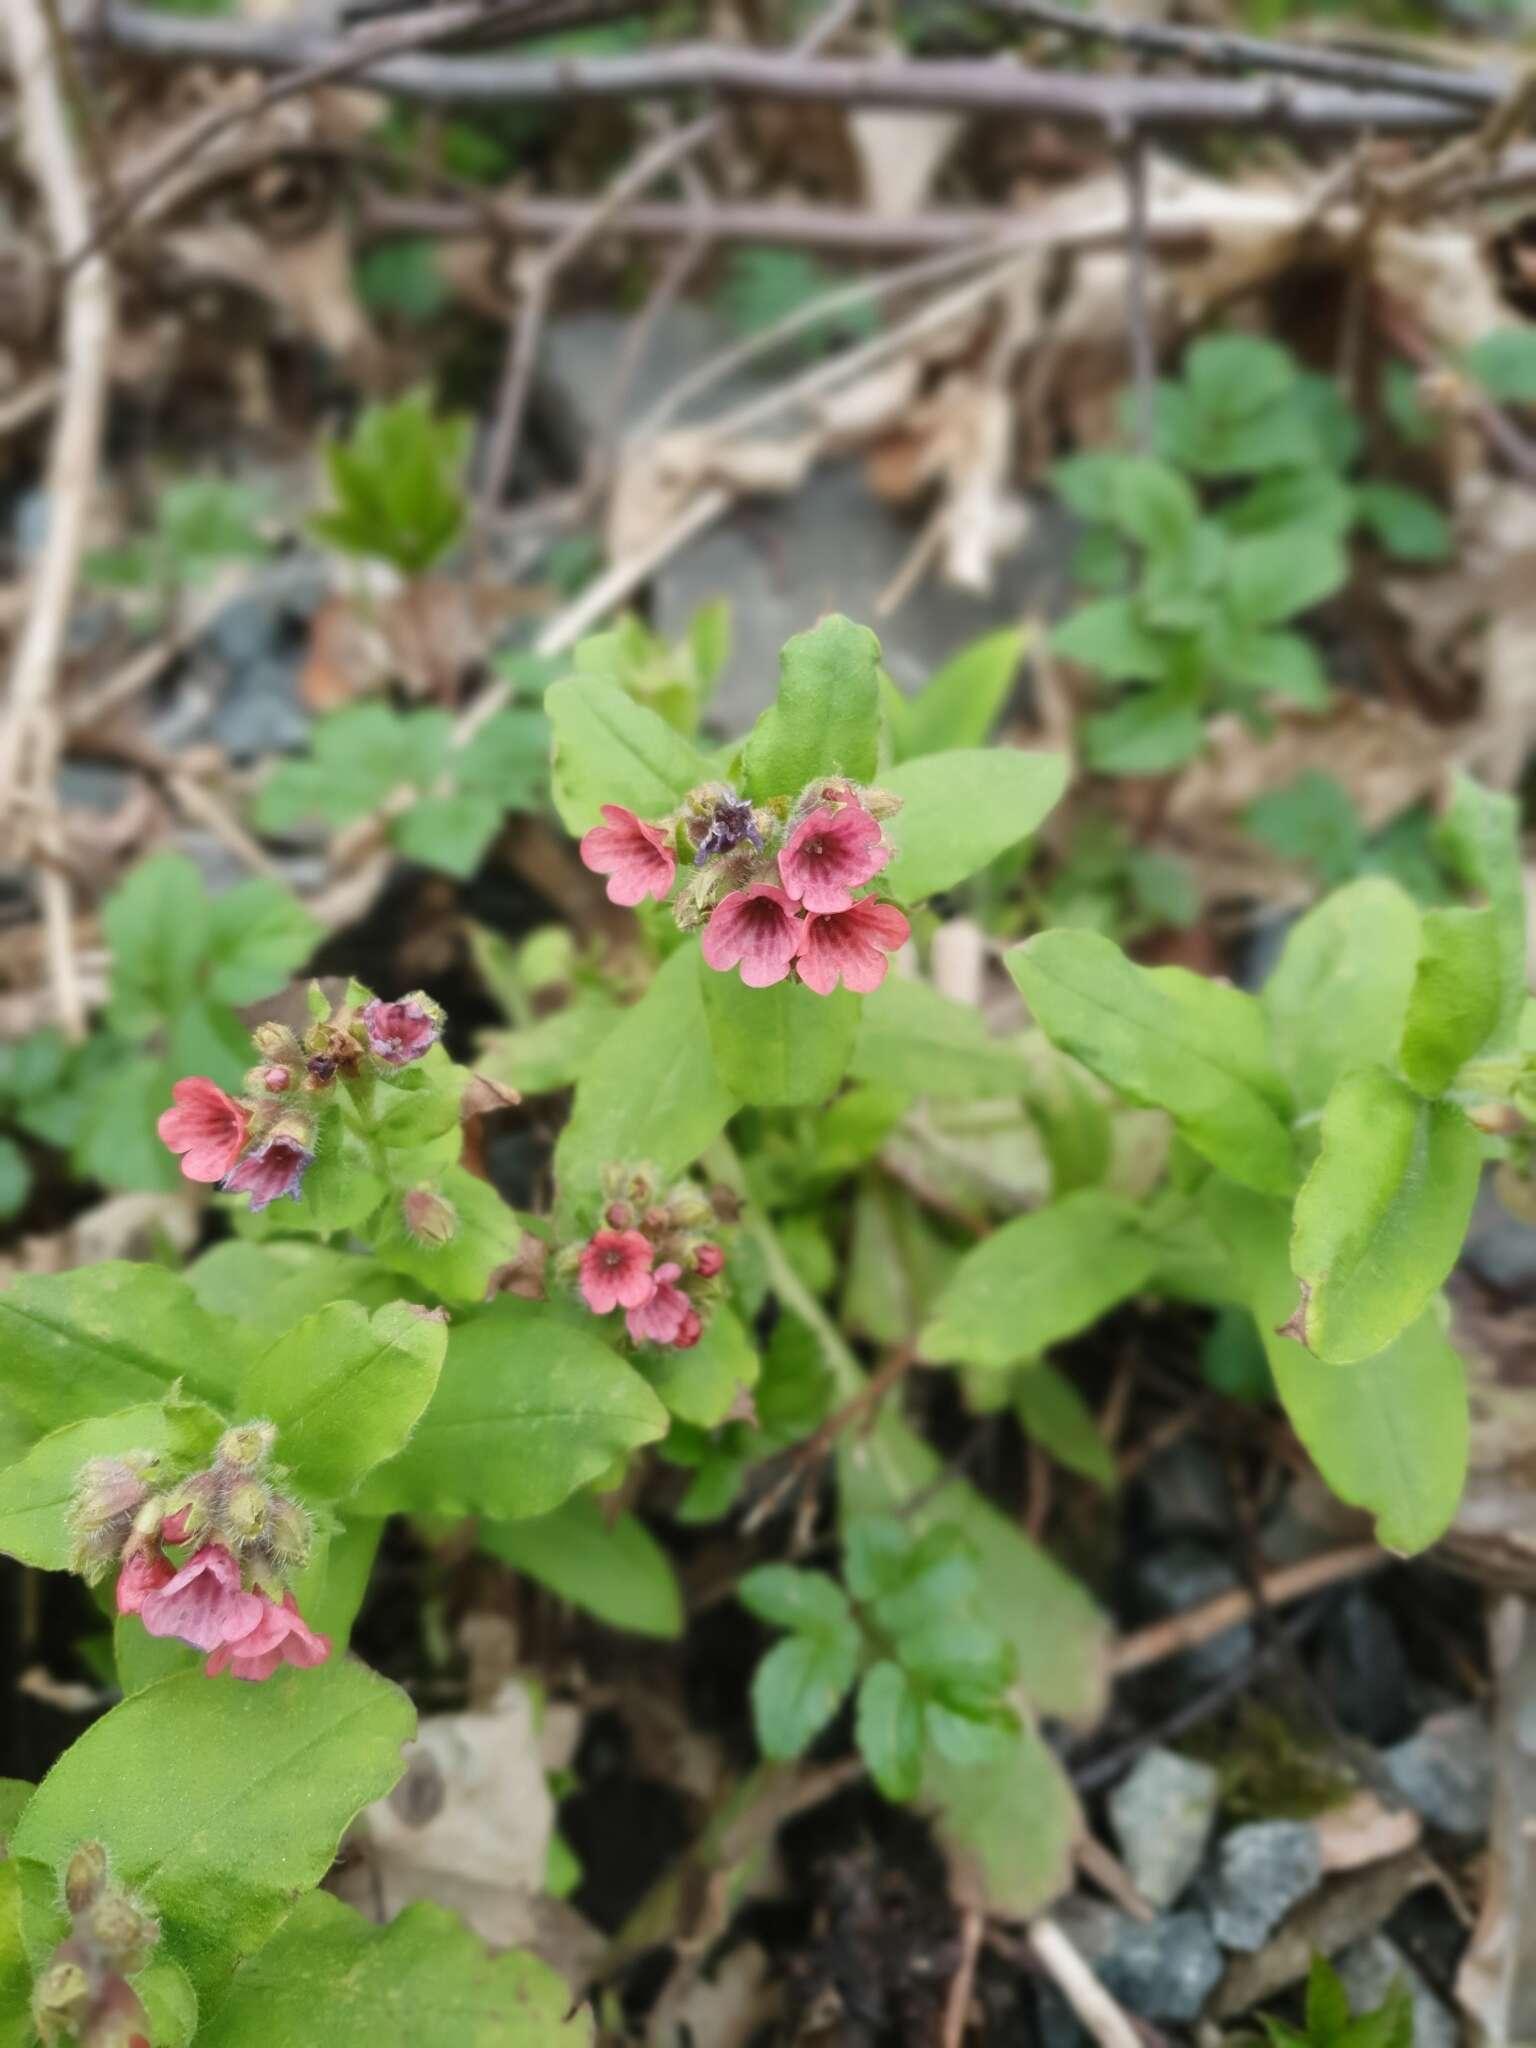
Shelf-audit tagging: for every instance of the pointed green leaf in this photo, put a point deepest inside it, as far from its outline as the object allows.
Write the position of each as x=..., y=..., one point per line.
x=1481, y=834
x=1009, y=1828
x=799, y=1686
x=889, y=1730
x=35, y=1494
x=1053, y=1414
x=615, y=1570
x=959, y=706
x=610, y=750
x=1458, y=996
x=1339, y=995
x=1168, y=1040
x=1381, y=1217
x=960, y=810
x=826, y=720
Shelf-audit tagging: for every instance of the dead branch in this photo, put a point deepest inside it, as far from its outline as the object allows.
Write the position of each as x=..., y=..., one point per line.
x=1118, y=106
x=1277, y=1589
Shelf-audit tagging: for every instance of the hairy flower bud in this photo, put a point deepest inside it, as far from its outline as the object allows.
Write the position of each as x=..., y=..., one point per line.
x=86, y=1877
x=288, y=1536
x=109, y=1494
x=124, y=1934
x=689, y=1208
x=245, y=1513
x=247, y=1448
x=61, y=2000
x=429, y=1217
x=880, y=803
x=276, y=1045
x=619, y=1216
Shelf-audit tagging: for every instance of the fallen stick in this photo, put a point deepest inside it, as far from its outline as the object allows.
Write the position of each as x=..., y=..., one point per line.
x=1280, y=1588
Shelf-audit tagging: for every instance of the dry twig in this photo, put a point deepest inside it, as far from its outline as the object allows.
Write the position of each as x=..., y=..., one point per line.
x=1277, y=1589
x=1094, y=2006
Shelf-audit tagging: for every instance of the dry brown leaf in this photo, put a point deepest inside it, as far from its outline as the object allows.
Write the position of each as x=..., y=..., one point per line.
x=1363, y=1831
x=900, y=152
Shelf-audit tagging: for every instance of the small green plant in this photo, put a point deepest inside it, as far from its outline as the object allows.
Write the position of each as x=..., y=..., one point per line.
x=1108, y=883
x=765, y=286
x=1331, y=2024
x=930, y=1671
x=1314, y=822
x=398, y=485
x=199, y=524
x=1212, y=550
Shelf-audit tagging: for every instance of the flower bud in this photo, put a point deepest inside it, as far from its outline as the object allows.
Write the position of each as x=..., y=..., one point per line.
x=689, y=1207
x=880, y=803
x=275, y=1044
x=109, y=1493
x=289, y=1534
x=400, y=1032
x=86, y=1877
x=1498, y=1119
x=61, y=2000
x=619, y=1216
x=247, y=1448
x=708, y=1260
x=124, y=1934
x=245, y=1513
x=429, y=1218
x=275, y=1079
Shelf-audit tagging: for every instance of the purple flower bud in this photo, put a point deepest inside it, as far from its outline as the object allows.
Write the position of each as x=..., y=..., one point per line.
x=401, y=1032
x=274, y=1167
x=731, y=823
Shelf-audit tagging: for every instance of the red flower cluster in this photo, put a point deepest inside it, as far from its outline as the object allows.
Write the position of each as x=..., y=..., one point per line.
x=205, y=1604
x=263, y=1144
x=651, y=1260
x=793, y=912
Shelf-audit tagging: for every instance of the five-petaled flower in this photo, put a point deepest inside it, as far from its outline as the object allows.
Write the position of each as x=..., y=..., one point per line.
x=400, y=1032
x=663, y=1318
x=637, y=858
x=756, y=927
x=207, y=1127
x=850, y=943
x=829, y=855
x=276, y=1166
x=616, y=1271
x=204, y=1603
x=281, y=1636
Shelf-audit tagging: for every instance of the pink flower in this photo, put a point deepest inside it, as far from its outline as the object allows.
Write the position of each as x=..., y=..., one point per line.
x=756, y=926
x=143, y=1573
x=851, y=943
x=634, y=856
x=829, y=854
x=276, y=1166
x=616, y=1271
x=708, y=1260
x=281, y=1636
x=690, y=1333
x=207, y=1127
x=400, y=1032
x=665, y=1315
x=204, y=1603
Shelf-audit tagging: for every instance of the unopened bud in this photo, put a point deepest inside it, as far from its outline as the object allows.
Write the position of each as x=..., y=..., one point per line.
x=689, y=1208
x=321, y=1068
x=245, y=1513
x=429, y=1218
x=247, y=1448
x=85, y=1877
x=1498, y=1119
x=124, y=1934
x=275, y=1080
x=880, y=803
x=61, y=2001
x=274, y=1043
x=109, y=1493
x=618, y=1216
x=289, y=1534
x=708, y=1260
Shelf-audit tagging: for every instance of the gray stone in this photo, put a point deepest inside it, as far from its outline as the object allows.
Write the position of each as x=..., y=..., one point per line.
x=1185, y=1492
x=1444, y=1771
x=1185, y=1574
x=1162, y=1815
x=260, y=713
x=1368, y=1969
x=29, y=522
x=94, y=786
x=1363, y=1669
x=1262, y=1871
x=1162, y=1969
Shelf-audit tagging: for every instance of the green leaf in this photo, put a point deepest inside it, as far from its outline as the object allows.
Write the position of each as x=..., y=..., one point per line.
x=610, y=750
x=1154, y=505
x=15, y=1177
x=1166, y=1039
x=1381, y=1217
x=800, y=1685
x=978, y=1733
x=269, y=1287
x=1109, y=637
x=1327, y=2002
x=1457, y=997
x=331, y=1588
x=423, y=1978
x=959, y=706
x=826, y=720
x=1280, y=664
x=648, y=1092
x=16, y=2029
x=787, y=1598
x=1504, y=363
x=1009, y=1828
x=1389, y=1435
x=888, y=1728
x=551, y=1052
x=528, y=1408
x=35, y=1494
x=1408, y=525
x=1481, y=834
x=780, y=1046
x=960, y=810
x=1339, y=995
x=397, y=485
x=1272, y=576
x=345, y=1390
x=448, y=832
x=106, y=1337
x=156, y=925
x=702, y=1384
x=221, y=1801
x=1053, y=1414
x=915, y=1040
x=258, y=936
x=485, y=1236
x=1039, y=1279
x=1152, y=732
x=615, y=1570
